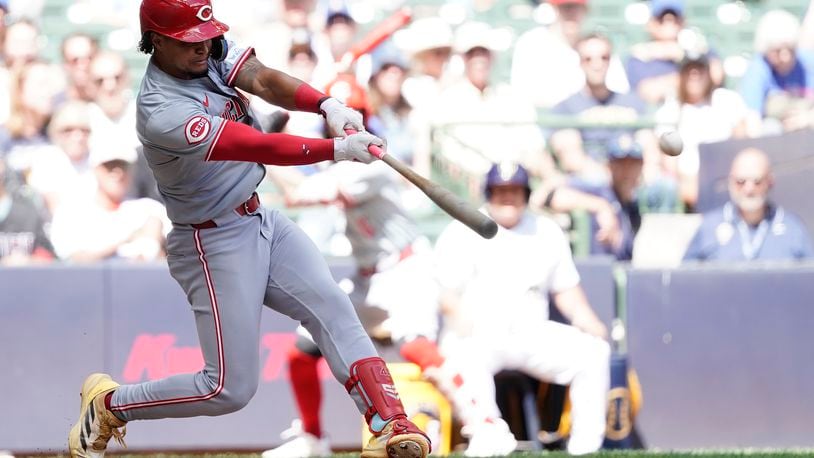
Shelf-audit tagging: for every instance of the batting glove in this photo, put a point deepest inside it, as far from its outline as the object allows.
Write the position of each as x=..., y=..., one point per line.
x=339, y=117
x=354, y=147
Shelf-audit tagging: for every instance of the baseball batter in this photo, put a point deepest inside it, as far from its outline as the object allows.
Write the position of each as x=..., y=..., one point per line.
x=498, y=294
x=229, y=253
x=393, y=289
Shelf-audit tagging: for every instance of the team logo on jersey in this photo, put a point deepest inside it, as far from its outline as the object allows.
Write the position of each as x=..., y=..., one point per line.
x=197, y=129
x=205, y=13
x=235, y=108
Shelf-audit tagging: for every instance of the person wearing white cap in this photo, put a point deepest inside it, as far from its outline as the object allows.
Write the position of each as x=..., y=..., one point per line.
x=428, y=44
x=778, y=84
x=105, y=224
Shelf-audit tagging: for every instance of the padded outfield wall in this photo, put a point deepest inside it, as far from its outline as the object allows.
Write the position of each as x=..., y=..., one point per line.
x=724, y=356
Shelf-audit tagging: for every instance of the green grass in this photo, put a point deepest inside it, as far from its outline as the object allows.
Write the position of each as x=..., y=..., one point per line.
x=608, y=454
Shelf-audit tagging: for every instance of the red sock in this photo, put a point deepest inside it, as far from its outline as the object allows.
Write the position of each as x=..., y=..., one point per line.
x=108, y=398
x=307, y=389
x=422, y=352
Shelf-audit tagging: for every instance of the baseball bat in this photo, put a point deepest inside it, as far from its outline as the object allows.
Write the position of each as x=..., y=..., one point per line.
x=375, y=37
x=449, y=202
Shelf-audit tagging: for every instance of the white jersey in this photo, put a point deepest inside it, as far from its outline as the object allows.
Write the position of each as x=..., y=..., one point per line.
x=179, y=122
x=504, y=282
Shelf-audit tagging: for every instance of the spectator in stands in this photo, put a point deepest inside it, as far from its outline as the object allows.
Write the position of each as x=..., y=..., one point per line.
x=580, y=151
x=652, y=67
x=543, y=48
x=3, y=21
x=428, y=45
x=750, y=227
x=302, y=62
x=63, y=167
x=113, y=110
x=778, y=85
x=495, y=294
x=296, y=19
x=331, y=44
x=390, y=113
x=701, y=113
x=78, y=50
x=482, y=121
x=105, y=224
x=34, y=91
x=22, y=226
x=21, y=45
x=20, y=48
x=614, y=208
x=340, y=30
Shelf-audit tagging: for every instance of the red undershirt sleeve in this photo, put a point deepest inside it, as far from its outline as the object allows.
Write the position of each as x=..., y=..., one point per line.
x=239, y=142
x=306, y=98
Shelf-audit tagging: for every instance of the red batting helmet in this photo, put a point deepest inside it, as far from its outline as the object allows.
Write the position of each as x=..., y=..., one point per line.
x=190, y=21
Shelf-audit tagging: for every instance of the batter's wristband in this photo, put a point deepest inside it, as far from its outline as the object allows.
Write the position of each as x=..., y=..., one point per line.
x=306, y=98
x=319, y=105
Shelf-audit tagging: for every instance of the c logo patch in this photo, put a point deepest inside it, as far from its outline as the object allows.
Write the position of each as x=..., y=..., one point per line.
x=205, y=13
x=196, y=129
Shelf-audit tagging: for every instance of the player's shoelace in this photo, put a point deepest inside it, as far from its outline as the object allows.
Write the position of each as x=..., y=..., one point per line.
x=106, y=431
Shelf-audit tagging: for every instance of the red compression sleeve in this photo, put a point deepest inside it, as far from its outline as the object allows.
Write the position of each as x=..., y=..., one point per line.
x=239, y=142
x=306, y=98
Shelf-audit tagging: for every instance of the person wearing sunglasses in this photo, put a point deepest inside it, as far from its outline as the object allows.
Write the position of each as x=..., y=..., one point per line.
x=114, y=107
x=750, y=226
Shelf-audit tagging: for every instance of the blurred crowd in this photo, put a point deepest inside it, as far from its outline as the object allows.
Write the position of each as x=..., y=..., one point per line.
x=581, y=115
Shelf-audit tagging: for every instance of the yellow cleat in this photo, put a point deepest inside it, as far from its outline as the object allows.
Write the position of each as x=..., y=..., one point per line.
x=96, y=425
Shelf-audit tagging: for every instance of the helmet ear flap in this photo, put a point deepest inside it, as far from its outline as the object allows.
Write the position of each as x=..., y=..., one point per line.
x=220, y=48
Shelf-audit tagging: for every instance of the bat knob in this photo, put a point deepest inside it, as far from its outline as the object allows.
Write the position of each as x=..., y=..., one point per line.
x=488, y=229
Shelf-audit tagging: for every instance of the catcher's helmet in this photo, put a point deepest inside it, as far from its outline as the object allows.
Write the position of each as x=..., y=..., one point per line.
x=507, y=173
x=190, y=21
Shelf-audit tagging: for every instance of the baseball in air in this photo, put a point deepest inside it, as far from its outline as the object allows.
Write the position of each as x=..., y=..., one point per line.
x=671, y=143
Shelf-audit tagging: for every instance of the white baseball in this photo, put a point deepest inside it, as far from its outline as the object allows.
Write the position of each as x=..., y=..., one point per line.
x=671, y=143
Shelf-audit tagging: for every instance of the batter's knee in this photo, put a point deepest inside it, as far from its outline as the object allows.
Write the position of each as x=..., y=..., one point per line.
x=236, y=396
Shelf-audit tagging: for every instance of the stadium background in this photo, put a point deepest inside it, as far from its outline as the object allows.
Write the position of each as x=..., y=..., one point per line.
x=723, y=353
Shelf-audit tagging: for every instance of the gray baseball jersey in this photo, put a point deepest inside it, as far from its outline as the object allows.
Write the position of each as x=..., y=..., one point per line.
x=178, y=122
x=229, y=270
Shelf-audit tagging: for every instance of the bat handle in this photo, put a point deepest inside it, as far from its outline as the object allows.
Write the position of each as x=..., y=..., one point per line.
x=375, y=150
